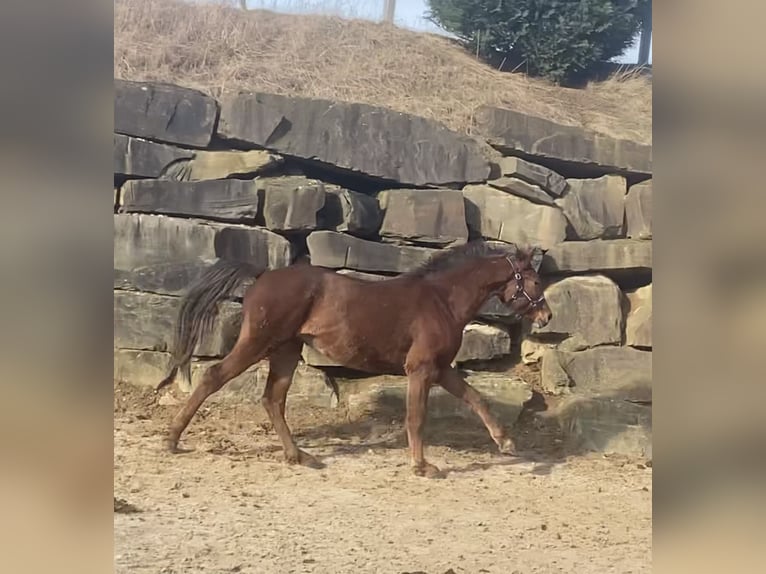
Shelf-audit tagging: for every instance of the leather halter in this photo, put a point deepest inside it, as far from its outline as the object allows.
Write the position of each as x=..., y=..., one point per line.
x=520, y=291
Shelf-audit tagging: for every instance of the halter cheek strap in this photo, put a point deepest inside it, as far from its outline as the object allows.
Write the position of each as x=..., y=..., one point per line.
x=520, y=291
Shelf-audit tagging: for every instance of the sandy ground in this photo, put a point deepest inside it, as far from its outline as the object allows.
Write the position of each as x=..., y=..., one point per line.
x=232, y=505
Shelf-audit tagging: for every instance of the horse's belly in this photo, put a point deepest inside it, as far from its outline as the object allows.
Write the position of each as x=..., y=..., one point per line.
x=359, y=354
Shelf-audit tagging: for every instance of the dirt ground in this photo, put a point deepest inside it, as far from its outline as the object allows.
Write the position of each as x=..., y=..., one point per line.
x=232, y=505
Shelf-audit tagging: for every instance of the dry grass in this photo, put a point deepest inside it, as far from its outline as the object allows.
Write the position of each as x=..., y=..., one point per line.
x=214, y=47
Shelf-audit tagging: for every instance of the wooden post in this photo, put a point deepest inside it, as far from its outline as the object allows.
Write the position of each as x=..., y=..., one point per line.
x=243, y=4
x=646, y=38
x=389, y=10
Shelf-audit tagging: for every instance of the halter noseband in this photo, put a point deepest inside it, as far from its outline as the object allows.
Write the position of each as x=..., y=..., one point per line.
x=520, y=288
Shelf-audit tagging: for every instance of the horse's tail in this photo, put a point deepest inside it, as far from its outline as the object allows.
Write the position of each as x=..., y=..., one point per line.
x=199, y=309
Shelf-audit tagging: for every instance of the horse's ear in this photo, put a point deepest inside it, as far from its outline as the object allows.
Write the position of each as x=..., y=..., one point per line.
x=536, y=258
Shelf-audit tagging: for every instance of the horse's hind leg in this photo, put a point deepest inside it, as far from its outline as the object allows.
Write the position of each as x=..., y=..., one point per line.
x=282, y=364
x=242, y=356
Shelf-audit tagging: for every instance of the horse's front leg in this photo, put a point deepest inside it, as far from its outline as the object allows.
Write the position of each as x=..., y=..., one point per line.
x=418, y=387
x=454, y=383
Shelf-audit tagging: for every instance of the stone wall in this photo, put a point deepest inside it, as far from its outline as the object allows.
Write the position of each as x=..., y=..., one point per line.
x=371, y=193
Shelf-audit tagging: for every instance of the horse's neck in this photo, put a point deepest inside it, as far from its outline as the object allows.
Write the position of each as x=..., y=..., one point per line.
x=467, y=287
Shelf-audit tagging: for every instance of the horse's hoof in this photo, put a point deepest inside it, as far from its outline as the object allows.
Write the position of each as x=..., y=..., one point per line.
x=171, y=446
x=304, y=459
x=427, y=470
x=506, y=446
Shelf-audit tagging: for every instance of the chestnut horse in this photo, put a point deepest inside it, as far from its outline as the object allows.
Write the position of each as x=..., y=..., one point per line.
x=408, y=325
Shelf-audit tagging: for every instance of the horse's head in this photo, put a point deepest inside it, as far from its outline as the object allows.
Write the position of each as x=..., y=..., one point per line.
x=524, y=292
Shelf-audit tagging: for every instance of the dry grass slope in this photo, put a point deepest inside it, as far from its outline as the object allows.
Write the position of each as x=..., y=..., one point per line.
x=214, y=47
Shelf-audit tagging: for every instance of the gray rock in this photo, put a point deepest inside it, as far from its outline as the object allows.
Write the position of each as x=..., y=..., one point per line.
x=610, y=426
x=547, y=179
x=220, y=199
x=599, y=255
x=638, y=210
x=375, y=141
x=523, y=189
x=164, y=255
x=314, y=358
x=291, y=202
x=494, y=214
x=595, y=208
x=587, y=310
x=511, y=131
x=164, y=112
x=482, y=343
x=613, y=372
x=258, y=246
x=435, y=216
x=134, y=157
x=339, y=251
x=145, y=321
x=147, y=368
x=638, y=325
x=361, y=275
x=350, y=212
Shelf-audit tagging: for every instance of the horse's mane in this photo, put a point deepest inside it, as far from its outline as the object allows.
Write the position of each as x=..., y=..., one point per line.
x=449, y=258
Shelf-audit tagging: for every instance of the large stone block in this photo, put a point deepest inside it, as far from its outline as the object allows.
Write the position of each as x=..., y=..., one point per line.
x=147, y=368
x=523, y=189
x=547, y=179
x=375, y=141
x=587, y=310
x=219, y=199
x=145, y=321
x=339, y=251
x=435, y=216
x=160, y=254
x=483, y=343
x=638, y=325
x=134, y=157
x=494, y=214
x=613, y=372
x=350, y=212
x=291, y=202
x=638, y=210
x=595, y=208
x=164, y=112
x=511, y=131
x=163, y=254
x=598, y=255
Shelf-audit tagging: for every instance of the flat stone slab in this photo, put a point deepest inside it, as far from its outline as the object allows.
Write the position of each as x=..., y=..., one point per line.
x=164, y=112
x=341, y=251
x=511, y=131
x=523, y=189
x=135, y=157
x=598, y=255
x=547, y=179
x=374, y=141
x=219, y=199
x=431, y=216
